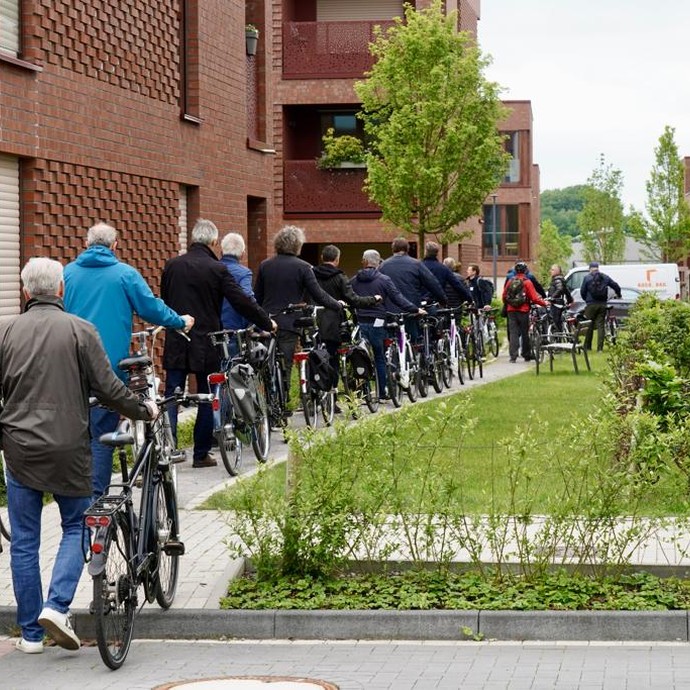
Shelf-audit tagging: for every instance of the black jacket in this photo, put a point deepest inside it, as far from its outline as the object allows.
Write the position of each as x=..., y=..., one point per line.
x=558, y=291
x=412, y=278
x=286, y=279
x=335, y=283
x=370, y=281
x=195, y=283
x=449, y=281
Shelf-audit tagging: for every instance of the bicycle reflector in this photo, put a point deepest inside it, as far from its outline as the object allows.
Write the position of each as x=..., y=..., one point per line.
x=300, y=356
x=216, y=379
x=97, y=520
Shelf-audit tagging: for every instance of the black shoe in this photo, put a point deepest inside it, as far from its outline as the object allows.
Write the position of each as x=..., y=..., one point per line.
x=337, y=409
x=384, y=398
x=206, y=461
x=513, y=361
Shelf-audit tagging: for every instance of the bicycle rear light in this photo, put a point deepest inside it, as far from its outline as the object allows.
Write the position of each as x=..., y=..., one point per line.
x=97, y=547
x=301, y=356
x=217, y=378
x=97, y=520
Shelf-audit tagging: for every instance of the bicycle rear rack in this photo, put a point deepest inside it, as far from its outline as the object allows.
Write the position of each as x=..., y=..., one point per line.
x=107, y=504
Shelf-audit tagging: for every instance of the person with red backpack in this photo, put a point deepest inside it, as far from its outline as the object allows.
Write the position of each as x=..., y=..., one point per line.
x=518, y=294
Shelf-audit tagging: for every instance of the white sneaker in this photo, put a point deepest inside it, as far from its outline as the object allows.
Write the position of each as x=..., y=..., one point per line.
x=29, y=647
x=58, y=626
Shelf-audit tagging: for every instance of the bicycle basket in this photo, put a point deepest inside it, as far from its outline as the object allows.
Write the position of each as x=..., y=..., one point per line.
x=359, y=358
x=243, y=394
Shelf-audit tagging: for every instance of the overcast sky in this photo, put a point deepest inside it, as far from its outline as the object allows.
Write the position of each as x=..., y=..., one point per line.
x=604, y=76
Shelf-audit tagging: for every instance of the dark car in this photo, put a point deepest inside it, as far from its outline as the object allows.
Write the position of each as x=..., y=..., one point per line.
x=621, y=306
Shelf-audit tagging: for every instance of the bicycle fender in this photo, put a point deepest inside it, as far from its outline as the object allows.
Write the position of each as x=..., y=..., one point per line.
x=96, y=564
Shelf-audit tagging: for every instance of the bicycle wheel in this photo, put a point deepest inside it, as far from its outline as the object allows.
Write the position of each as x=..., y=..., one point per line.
x=261, y=427
x=308, y=401
x=436, y=370
x=444, y=356
x=114, y=596
x=470, y=356
x=370, y=393
x=168, y=546
x=613, y=329
x=326, y=401
x=458, y=356
x=278, y=396
x=393, y=375
x=534, y=343
x=229, y=445
x=493, y=338
x=414, y=368
x=423, y=373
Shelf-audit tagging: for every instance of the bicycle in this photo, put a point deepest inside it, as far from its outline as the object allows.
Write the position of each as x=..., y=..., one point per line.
x=316, y=394
x=240, y=411
x=537, y=331
x=471, y=347
x=491, y=330
x=402, y=370
x=612, y=325
x=451, y=349
x=130, y=549
x=358, y=371
x=429, y=357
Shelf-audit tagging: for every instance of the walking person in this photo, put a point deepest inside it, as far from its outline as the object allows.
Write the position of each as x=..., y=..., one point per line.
x=518, y=295
x=108, y=293
x=369, y=281
x=49, y=361
x=453, y=297
x=451, y=283
x=197, y=282
x=559, y=296
x=595, y=293
x=286, y=279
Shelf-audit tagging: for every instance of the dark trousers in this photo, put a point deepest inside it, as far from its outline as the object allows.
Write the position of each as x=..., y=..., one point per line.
x=596, y=312
x=287, y=343
x=518, y=332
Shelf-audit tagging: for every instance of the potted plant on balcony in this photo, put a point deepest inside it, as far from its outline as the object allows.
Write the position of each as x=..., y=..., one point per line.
x=344, y=151
x=251, y=37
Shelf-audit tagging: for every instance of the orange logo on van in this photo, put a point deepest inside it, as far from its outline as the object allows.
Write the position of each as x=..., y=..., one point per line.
x=649, y=284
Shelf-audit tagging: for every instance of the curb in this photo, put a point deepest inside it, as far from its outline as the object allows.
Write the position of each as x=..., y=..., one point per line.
x=204, y=624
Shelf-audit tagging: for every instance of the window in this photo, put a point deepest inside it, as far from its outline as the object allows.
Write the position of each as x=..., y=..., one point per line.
x=512, y=147
x=342, y=122
x=507, y=231
x=9, y=26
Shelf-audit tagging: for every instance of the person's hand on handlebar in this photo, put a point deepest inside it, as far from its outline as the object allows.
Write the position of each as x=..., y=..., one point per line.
x=274, y=326
x=188, y=322
x=152, y=408
x=421, y=312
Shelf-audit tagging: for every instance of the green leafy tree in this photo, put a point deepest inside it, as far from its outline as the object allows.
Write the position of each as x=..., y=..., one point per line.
x=665, y=231
x=431, y=122
x=601, y=220
x=552, y=248
x=561, y=206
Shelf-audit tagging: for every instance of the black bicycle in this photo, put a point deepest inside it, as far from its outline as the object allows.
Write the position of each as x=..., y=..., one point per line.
x=130, y=549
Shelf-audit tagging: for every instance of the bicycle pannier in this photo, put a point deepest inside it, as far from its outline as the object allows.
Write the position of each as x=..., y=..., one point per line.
x=242, y=390
x=321, y=373
x=359, y=358
x=515, y=294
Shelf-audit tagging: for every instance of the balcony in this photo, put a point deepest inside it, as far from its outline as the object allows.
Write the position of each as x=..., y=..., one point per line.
x=328, y=50
x=308, y=190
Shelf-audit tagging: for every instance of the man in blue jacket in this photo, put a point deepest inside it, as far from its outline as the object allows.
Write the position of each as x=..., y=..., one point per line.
x=595, y=292
x=447, y=278
x=107, y=292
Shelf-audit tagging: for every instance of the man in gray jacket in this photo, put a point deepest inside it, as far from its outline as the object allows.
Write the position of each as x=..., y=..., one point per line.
x=49, y=361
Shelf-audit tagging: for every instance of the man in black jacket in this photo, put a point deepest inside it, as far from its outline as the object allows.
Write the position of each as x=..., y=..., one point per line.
x=448, y=279
x=333, y=281
x=559, y=296
x=195, y=283
x=286, y=279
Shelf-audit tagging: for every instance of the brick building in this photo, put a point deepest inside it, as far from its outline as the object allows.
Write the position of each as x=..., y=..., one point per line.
x=148, y=115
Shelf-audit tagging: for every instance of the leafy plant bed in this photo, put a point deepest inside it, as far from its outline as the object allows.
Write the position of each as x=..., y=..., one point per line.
x=415, y=590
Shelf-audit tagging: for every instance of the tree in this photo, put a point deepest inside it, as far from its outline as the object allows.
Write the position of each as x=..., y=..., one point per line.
x=431, y=124
x=601, y=219
x=665, y=232
x=553, y=248
x=561, y=206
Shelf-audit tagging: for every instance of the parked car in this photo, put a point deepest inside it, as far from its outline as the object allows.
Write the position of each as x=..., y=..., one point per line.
x=621, y=306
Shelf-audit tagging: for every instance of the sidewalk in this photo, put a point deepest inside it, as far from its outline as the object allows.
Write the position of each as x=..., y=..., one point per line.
x=206, y=568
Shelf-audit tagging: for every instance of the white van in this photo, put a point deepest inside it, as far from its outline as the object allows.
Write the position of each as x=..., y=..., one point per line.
x=661, y=279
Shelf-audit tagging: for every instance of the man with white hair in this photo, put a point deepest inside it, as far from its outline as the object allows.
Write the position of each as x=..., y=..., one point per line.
x=108, y=292
x=232, y=248
x=49, y=362
x=197, y=282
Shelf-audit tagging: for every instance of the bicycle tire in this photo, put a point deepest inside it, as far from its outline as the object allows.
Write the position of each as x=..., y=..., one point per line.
x=229, y=445
x=393, y=375
x=309, y=408
x=280, y=392
x=458, y=353
x=166, y=525
x=114, y=596
x=261, y=427
x=444, y=353
x=412, y=390
x=436, y=377
x=493, y=338
x=470, y=356
x=370, y=393
x=422, y=377
x=327, y=406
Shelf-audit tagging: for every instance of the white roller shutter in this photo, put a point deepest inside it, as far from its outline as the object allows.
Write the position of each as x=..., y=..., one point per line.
x=9, y=236
x=357, y=10
x=9, y=26
x=182, y=221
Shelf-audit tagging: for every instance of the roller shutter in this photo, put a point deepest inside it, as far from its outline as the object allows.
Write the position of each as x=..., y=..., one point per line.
x=9, y=26
x=9, y=236
x=182, y=221
x=357, y=10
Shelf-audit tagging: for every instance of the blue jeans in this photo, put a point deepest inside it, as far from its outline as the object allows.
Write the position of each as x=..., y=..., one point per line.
x=203, y=427
x=24, y=507
x=101, y=421
x=375, y=335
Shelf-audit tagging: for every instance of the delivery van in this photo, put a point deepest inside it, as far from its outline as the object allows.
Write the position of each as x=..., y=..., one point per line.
x=661, y=279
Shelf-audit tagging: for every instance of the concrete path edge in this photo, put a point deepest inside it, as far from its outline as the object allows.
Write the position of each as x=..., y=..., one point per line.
x=648, y=626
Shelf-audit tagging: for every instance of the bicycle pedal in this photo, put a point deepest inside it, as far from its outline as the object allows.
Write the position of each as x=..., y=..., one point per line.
x=173, y=548
x=178, y=456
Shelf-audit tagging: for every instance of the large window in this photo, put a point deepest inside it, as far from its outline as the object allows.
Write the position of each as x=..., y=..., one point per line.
x=9, y=26
x=342, y=122
x=507, y=230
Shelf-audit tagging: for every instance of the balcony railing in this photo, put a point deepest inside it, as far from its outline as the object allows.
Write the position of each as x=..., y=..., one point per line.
x=313, y=50
x=310, y=190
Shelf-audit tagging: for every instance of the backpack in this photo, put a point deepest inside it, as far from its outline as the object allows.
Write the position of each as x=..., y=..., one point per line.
x=486, y=289
x=321, y=373
x=515, y=293
x=598, y=288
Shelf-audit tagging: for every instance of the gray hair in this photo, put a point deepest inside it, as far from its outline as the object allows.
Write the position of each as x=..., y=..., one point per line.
x=42, y=276
x=233, y=244
x=289, y=240
x=450, y=262
x=102, y=234
x=204, y=232
x=431, y=249
x=371, y=258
